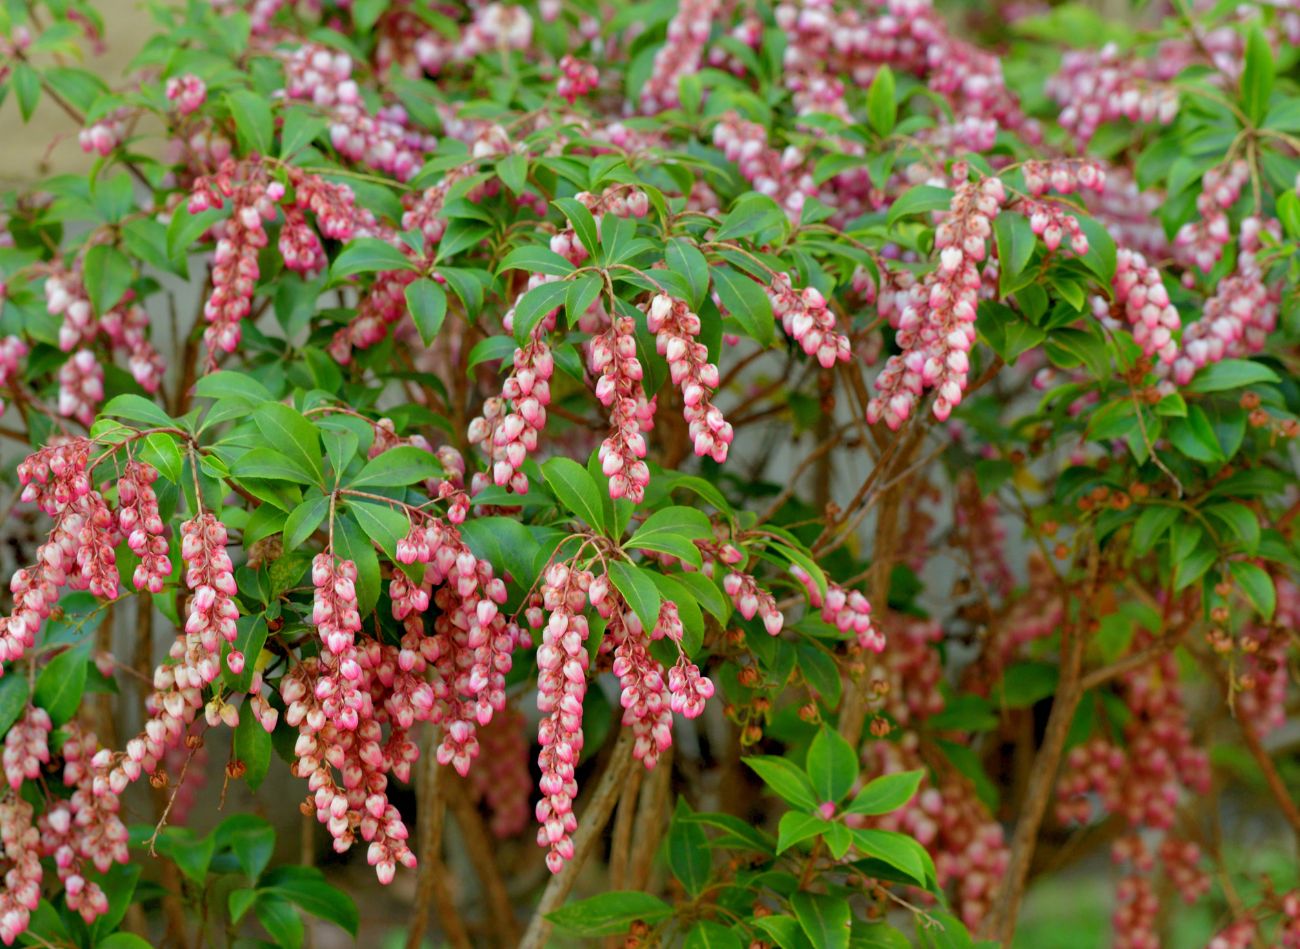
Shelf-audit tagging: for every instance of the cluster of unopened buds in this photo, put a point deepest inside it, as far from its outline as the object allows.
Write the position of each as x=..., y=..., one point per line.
x=1098, y=87
x=752, y=600
x=676, y=329
x=643, y=693
x=935, y=318
x=1144, y=304
x=209, y=575
x=613, y=361
x=105, y=135
x=139, y=521
x=846, y=610
x=1238, y=316
x=509, y=426
x=253, y=198
x=808, y=320
x=1200, y=242
x=187, y=91
x=680, y=55
x=783, y=175
x=561, y=686
x=577, y=78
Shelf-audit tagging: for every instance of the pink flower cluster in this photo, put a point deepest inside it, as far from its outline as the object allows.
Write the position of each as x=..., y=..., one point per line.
x=1098, y=87
x=846, y=610
x=783, y=176
x=139, y=522
x=680, y=55
x=27, y=747
x=561, y=686
x=509, y=426
x=86, y=826
x=643, y=693
x=808, y=320
x=676, y=330
x=20, y=840
x=383, y=140
x=187, y=91
x=577, y=78
x=752, y=600
x=1238, y=316
x=104, y=136
x=253, y=199
x=470, y=650
x=211, y=612
x=1200, y=242
x=501, y=778
x=612, y=360
x=1143, y=302
x=935, y=319
x=688, y=689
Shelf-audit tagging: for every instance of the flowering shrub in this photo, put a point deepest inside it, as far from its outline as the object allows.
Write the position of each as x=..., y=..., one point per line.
x=823, y=471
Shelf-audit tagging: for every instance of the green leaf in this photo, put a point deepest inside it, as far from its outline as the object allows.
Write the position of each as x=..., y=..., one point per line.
x=427, y=303
x=1102, y=253
x=272, y=465
x=685, y=260
x=249, y=639
x=135, y=408
x=638, y=590
x=609, y=914
x=294, y=436
x=882, y=109
x=784, y=931
x=250, y=838
x=824, y=918
x=786, y=779
x=580, y=296
x=368, y=255
x=303, y=520
x=491, y=349
x=898, y=850
x=1016, y=241
x=162, y=451
x=1194, y=436
x=121, y=941
x=832, y=765
x=27, y=87
x=886, y=793
x=306, y=888
x=671, y=531
x=688, y=852
x=1256, y=584
x=751, y=215
x=706, y=934
x=534, y=258
x=108, y=275
x=1241, y=522
x=398, y=467
x=795, y=827
x=584, y=225
x=513, y=172
x=365, y=13
x=253, y=123
x=919, y=200
x=747, y=303
x=240, y=902
x=191, y=854
x=300, y=129
x=279, y=918
x=252, y=745
x=14, y=693
x=576, y=489
x=1230, y=374
x=381, y=523
x=534, y=305
x=1257, y=76
x=1151, y=526
x=62, y=682
x=232, y=385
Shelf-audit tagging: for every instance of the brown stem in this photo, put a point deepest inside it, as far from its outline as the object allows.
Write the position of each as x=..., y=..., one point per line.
x=651, y=809
x=431, y=810
x=591, y=825
x=1001, y=923
x=621, y=846
x=482, y=853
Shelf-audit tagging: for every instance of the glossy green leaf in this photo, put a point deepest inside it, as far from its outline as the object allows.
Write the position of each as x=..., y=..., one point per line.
x=824, y=918
x=426, y=301
x=576, y=490
x=886, y=793
x=786, y=779
x=609, y=914
x=832, y=765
